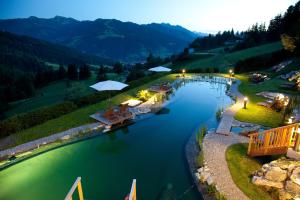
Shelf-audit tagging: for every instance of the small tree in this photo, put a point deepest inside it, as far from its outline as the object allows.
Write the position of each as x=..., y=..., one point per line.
x=61, y=73
x=118, y=68
x=72, y=72
x=288, y=42
x=84, y=72
x=101, y=74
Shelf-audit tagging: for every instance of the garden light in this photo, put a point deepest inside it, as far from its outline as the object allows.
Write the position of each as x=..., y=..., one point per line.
x=245, y=102
x=183, y=72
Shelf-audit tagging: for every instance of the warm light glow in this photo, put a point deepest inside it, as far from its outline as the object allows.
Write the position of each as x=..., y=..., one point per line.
x=290, y=120
x=280, y=96
x=183, y=71
x=230, y=71
x=245, y=98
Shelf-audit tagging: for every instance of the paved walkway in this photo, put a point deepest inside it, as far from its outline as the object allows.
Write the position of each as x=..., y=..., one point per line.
x=214, y=148
x=227, y=117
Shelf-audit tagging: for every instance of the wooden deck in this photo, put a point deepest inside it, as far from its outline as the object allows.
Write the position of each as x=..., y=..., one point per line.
x=225, y=124
x=274, y=141
x=120, y=119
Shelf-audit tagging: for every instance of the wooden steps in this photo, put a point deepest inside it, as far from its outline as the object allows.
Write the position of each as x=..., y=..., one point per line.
x=275, y=141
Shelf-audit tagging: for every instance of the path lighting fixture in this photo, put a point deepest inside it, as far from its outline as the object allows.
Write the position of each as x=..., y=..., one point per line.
x=231, y=73
x=245, y=102
x=183, y=72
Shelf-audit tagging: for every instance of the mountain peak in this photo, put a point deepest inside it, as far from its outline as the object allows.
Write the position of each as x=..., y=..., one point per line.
x=63, y=19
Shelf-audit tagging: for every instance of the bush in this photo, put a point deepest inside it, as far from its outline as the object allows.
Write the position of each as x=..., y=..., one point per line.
x=93, y=98
x=219, y=114
x=27, y=120
x=211, y=189
x=199, y=138
x=261, y=62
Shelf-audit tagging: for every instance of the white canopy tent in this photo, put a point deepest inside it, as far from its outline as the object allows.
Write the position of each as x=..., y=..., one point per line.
x=160, y=69
x=108, y=86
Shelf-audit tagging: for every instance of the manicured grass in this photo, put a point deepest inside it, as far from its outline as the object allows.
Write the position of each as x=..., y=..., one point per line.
x=52, y=94
x=78, y=117
x=241, y=167
x=259, y=114
x=226, y=60
x=57, y=92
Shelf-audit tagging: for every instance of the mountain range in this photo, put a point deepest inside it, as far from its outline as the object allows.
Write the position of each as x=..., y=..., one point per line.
x=107, y=38
x=23, y=53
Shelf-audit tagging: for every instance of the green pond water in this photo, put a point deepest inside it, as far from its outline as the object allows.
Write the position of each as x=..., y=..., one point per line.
x=151, y=150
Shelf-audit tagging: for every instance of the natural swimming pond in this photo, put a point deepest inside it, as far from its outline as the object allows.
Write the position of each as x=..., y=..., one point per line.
x=151, y=150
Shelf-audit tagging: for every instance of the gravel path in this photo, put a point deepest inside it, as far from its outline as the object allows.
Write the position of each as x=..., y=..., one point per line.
x=215, y=145
x=214, y=148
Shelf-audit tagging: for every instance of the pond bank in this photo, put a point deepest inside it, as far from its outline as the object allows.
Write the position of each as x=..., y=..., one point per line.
x=65, y=135
x=192, y=150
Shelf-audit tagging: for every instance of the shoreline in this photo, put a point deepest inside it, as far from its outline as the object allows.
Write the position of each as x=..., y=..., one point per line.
x=191, y=151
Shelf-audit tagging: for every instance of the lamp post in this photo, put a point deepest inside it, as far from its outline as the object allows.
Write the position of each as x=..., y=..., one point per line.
x=230, y=73
x=183, y=72
x=245, y=102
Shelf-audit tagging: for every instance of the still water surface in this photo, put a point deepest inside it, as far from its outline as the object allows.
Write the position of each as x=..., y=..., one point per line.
x=151, y=150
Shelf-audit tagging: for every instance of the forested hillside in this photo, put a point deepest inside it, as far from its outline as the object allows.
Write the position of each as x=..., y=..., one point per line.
x=113, y=39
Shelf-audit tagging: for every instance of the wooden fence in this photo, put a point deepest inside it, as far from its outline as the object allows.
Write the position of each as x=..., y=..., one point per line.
x=274, y=141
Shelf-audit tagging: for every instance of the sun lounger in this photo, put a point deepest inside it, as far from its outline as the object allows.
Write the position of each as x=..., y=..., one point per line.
x=265, y=104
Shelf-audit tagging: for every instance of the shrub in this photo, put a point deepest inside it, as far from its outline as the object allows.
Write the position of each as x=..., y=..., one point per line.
x=27, y=120
x=261, y=62
x=213, y=190
x=199, y=138
x=219, y=113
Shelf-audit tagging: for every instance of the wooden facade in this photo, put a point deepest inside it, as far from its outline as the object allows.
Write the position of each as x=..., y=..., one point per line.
x=274, y=141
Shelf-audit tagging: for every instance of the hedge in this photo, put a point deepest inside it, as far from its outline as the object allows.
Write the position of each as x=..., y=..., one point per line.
x=27, y=120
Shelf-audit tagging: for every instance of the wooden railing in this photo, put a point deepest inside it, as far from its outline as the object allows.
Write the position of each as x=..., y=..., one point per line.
x=132, y=195
x=274, y=141
x=77, y=184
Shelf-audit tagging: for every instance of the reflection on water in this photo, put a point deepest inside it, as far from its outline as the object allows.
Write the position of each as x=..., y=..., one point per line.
x=151, y=150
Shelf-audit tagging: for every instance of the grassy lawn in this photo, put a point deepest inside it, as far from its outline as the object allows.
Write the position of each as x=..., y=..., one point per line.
x=241, y=167
x=225, y=60
x=78, y=117
x=57, y=92
x=259, y=114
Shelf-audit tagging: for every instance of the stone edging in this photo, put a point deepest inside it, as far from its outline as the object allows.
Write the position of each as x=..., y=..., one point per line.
x=65, y=135
x=191, y=151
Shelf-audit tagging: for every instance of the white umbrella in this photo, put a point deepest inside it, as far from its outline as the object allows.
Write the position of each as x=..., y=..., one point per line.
x=108, y=86
x=160, y=69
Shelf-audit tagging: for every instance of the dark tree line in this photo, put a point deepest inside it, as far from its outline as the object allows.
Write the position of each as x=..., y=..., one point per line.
x=17, y=84
x=214, y=41
x=257, y=34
